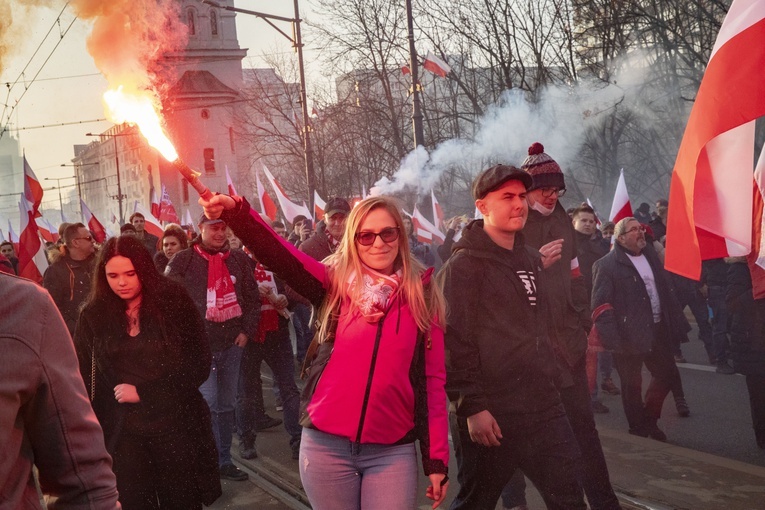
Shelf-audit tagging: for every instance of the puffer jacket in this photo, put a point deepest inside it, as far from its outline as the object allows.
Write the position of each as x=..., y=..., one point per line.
x=365, y=393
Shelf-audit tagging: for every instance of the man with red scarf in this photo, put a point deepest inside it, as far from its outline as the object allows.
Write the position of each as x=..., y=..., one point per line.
x=222, y=285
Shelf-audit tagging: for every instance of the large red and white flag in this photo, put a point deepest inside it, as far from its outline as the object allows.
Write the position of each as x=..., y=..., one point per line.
x=289, y=208
x=152, y=224
x=154, y=204
x=319, y=206
x=621, y=207
x=33, y=191
x=166, y=210
x=267, y=205
x=95, y=226
x=425, y=230
x=438, y=213
x=230, y=184
x=710, y=200
x=436, y=65
x=31, y=252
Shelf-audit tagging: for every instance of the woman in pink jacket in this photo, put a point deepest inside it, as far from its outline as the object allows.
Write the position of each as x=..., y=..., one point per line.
x=376, y=380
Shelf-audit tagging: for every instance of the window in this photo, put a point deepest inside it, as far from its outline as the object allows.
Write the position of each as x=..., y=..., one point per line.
x=213, y=22
x=185, y=191
x=209, y=157
x=191, y=21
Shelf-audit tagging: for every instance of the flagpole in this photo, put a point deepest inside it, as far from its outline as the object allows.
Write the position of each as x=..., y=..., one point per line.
x=419, y=138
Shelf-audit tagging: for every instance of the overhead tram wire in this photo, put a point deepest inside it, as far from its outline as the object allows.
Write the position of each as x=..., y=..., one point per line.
x=7, y=118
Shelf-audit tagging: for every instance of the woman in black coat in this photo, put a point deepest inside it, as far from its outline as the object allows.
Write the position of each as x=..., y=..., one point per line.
x=143, y=354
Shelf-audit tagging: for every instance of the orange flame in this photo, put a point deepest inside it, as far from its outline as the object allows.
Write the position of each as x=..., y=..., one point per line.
x=138, y=107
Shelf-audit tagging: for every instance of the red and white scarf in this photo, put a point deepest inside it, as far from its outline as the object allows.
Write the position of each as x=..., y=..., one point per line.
x=269, y=316
x=376, y=292
x=221, y=296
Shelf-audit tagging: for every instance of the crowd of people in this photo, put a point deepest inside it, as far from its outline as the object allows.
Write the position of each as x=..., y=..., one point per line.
x=532, y=313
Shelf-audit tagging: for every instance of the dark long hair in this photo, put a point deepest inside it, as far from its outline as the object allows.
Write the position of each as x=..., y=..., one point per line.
x=103, y=299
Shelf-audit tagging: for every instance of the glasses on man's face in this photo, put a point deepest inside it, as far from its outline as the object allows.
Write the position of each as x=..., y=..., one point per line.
x=548, y=192
x=388, y=235
x=640, y=228
x=87, y=238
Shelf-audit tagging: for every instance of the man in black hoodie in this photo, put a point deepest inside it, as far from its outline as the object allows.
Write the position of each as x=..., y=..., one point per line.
x=500, y=365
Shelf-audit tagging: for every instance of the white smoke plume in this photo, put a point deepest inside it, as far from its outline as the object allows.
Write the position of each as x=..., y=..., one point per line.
x=559, y=121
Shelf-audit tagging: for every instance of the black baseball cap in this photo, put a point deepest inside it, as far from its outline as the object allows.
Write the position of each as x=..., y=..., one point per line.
x=337, y=205
x=494, y=177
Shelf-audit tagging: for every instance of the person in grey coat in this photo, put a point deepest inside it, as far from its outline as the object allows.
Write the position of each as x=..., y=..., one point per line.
x=45, y=415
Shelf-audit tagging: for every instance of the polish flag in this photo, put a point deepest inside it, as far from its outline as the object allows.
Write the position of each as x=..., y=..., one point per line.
x=438, y=213
x=319, y=206
x=166, y=209
x=405, y=70
x=426, y=232
x=31, y=252
x=714, y=163
x=267, y=206
x=756, y=258
x=95, y=227
x=230, y=184
x=621, y=207
x=155, y=204
x=12, y=237
x=152, y=225
x=46, y=230
x=33, y=192
x=187, y=221
x=436, y=66
x=597, y=217
x=289, y=208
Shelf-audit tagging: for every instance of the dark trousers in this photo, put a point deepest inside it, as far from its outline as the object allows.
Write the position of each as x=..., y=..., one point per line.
x=276, y=351
x=719, y=323
x=301, y=320
x=756, y=386
x=156, y=472
x=541, y=445
x=664, y=378
x=595, y=479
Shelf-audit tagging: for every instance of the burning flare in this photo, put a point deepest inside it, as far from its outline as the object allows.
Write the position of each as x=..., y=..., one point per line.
x=138, y=108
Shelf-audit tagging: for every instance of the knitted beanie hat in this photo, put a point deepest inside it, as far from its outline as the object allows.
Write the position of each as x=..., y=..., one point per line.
x=544, y=171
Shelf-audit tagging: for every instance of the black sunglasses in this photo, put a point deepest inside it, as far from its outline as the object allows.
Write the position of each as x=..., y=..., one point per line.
x=388, y=235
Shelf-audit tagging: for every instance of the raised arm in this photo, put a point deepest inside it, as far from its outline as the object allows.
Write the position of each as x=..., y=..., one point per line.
x=301, y=272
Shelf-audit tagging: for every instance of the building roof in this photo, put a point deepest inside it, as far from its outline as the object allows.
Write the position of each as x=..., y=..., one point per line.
x=200, y=82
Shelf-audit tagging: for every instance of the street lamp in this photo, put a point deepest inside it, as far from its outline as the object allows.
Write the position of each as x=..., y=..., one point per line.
x=120, y=196
x=297, y=43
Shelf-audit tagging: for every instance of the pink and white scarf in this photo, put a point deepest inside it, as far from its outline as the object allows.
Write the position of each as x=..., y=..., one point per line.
x=376, y=292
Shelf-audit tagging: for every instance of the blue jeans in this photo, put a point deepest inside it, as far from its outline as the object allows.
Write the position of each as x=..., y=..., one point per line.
x=219, y=391
x=301, y=320
x=605, y=368
x=338, y=474
x=276, y=351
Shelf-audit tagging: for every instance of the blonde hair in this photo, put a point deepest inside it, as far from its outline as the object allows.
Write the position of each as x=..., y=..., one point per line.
x=346, y=261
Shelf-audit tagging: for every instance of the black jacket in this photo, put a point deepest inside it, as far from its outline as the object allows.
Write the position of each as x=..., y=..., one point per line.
x=498, y=353
x=746, y=318
x=628, y=327
x=68, y=282
x=589, y=250
x=189, y=268
x=172, y=399
x=569, y=304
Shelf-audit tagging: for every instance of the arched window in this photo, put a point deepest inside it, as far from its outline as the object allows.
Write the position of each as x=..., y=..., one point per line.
x=191, y=22
x=214, y=22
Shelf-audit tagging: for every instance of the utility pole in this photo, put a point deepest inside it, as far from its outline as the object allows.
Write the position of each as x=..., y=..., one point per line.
x=297, y=43
x=419, y=137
